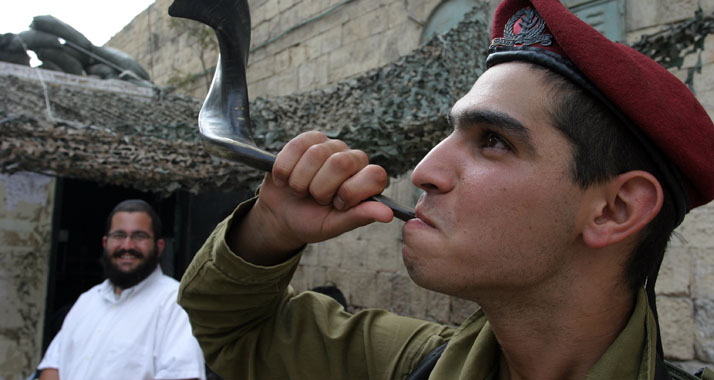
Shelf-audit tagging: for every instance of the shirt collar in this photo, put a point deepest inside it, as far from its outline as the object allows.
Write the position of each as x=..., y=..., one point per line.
x=632, y=354
x=475, y=351
x=106, y=289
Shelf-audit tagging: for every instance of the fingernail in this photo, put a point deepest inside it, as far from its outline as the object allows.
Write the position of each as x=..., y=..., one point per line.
x=338, y=203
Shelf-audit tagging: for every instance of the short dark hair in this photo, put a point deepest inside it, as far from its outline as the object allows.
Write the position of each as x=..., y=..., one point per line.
x=136, y=205
x=604, y=148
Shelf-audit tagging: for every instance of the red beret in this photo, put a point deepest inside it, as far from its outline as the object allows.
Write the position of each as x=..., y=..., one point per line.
x=658, y=107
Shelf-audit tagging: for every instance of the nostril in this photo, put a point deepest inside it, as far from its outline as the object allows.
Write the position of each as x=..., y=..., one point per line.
x=428, y=186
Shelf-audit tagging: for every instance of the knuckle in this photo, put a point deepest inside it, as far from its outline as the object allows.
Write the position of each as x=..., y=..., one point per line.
x=314, y=136
x=348, y=194
x=343, y=162
x=379, y=174
x=297, y=187
x=317, y=153
x=361, y=156
x=281, y=170
x=339, y=145
x=320, y=196
x=305, y=140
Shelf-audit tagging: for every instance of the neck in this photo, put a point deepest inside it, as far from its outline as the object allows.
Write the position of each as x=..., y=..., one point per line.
x=558, y=332
x=117, y=290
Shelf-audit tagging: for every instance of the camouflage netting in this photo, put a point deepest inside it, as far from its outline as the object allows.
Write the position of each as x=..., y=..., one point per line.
x=395, y=113
x=127, y=151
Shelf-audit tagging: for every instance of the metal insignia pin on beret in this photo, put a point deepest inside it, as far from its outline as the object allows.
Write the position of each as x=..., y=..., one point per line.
x=526, y=27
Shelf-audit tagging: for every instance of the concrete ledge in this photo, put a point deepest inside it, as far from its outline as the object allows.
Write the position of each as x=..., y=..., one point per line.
x=64, y=79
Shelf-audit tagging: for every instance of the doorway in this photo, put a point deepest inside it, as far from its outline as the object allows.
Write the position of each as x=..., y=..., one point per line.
x=81, y=209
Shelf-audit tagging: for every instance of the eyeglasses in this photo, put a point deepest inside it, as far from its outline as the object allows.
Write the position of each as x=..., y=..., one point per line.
x=136, y=237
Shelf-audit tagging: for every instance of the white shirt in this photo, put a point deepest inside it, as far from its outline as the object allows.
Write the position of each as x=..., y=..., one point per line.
x=141, y=334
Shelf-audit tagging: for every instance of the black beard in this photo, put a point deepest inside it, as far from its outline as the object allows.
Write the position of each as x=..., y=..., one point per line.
x=125, y=280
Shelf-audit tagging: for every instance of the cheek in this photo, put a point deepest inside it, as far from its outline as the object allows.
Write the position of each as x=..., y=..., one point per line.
x=111, y=247
x=513, y=210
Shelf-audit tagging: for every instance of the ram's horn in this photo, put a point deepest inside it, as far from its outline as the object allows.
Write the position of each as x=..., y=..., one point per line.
x=224, y=120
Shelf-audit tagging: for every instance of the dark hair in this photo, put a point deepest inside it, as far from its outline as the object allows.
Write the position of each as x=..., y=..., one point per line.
x=136, y=205
x=603, y=149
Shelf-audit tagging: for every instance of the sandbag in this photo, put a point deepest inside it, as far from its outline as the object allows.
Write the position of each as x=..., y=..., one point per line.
x=36, y=39
x=67, y=62
x=11, y=50
x=16, y=58
x=101, y=70
x=48, y=65
x=121, y=59
x=52, y=25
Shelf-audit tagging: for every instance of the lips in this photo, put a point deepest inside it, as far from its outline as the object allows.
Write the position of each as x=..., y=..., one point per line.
x=127, y=254
x=423, y=218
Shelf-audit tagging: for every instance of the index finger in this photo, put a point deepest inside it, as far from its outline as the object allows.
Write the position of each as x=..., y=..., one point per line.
x=292, y=152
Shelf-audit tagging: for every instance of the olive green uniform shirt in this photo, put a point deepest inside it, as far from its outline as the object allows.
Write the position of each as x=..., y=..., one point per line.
x=251, y=325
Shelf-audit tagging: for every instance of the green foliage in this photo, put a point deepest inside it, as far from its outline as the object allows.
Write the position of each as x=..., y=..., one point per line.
x=203, y=40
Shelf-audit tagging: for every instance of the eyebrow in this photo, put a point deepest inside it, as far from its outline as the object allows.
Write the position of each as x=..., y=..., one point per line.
x=499, y=121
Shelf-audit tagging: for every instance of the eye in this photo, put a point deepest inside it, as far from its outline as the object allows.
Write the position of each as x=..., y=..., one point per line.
x=492, y=140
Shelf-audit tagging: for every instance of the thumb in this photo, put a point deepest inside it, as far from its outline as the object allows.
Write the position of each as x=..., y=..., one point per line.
x=360, y=215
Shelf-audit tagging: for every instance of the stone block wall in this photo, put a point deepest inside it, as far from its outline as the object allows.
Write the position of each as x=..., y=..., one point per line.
x=685, y=286
x=26, y=203
x=322, y=43
x=355, y=37
x=165, y=49
x=685, y=290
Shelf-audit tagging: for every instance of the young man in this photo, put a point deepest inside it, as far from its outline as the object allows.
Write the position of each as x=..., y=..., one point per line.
x=550, y=205
x=129, y=326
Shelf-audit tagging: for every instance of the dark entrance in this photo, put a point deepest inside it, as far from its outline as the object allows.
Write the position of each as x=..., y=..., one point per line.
x=81, y=209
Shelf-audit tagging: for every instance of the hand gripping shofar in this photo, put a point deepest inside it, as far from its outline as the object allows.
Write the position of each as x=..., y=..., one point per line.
x=224, y=120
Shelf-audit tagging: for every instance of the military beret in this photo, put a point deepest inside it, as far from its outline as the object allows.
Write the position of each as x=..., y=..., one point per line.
x=657, y=107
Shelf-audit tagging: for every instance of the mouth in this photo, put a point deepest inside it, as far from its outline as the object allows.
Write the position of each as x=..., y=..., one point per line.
x=424, y=219
x=421, y=220
x=127, y=256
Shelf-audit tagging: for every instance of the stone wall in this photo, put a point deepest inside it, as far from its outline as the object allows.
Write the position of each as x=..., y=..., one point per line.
x=345, y=38
x=685, y=287
x=26, y=203
x=360, y=35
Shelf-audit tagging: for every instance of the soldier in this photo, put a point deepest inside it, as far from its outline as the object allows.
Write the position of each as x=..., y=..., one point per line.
x=551, y=203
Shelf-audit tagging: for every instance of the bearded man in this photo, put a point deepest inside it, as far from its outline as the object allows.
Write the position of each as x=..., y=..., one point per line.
x=129, y=326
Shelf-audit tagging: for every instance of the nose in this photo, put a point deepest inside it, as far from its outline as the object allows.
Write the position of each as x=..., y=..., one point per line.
x=436, y=173
x=126, y=243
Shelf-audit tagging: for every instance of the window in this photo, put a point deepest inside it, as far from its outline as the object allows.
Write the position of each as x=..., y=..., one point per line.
x=446, y=16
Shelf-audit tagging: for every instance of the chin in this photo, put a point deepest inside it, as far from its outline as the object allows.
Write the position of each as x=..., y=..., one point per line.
x=416, y=271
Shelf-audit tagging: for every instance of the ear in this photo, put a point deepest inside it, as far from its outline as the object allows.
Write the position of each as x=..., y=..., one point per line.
x=160, y=244
x=104, y=242
x=621, y=208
